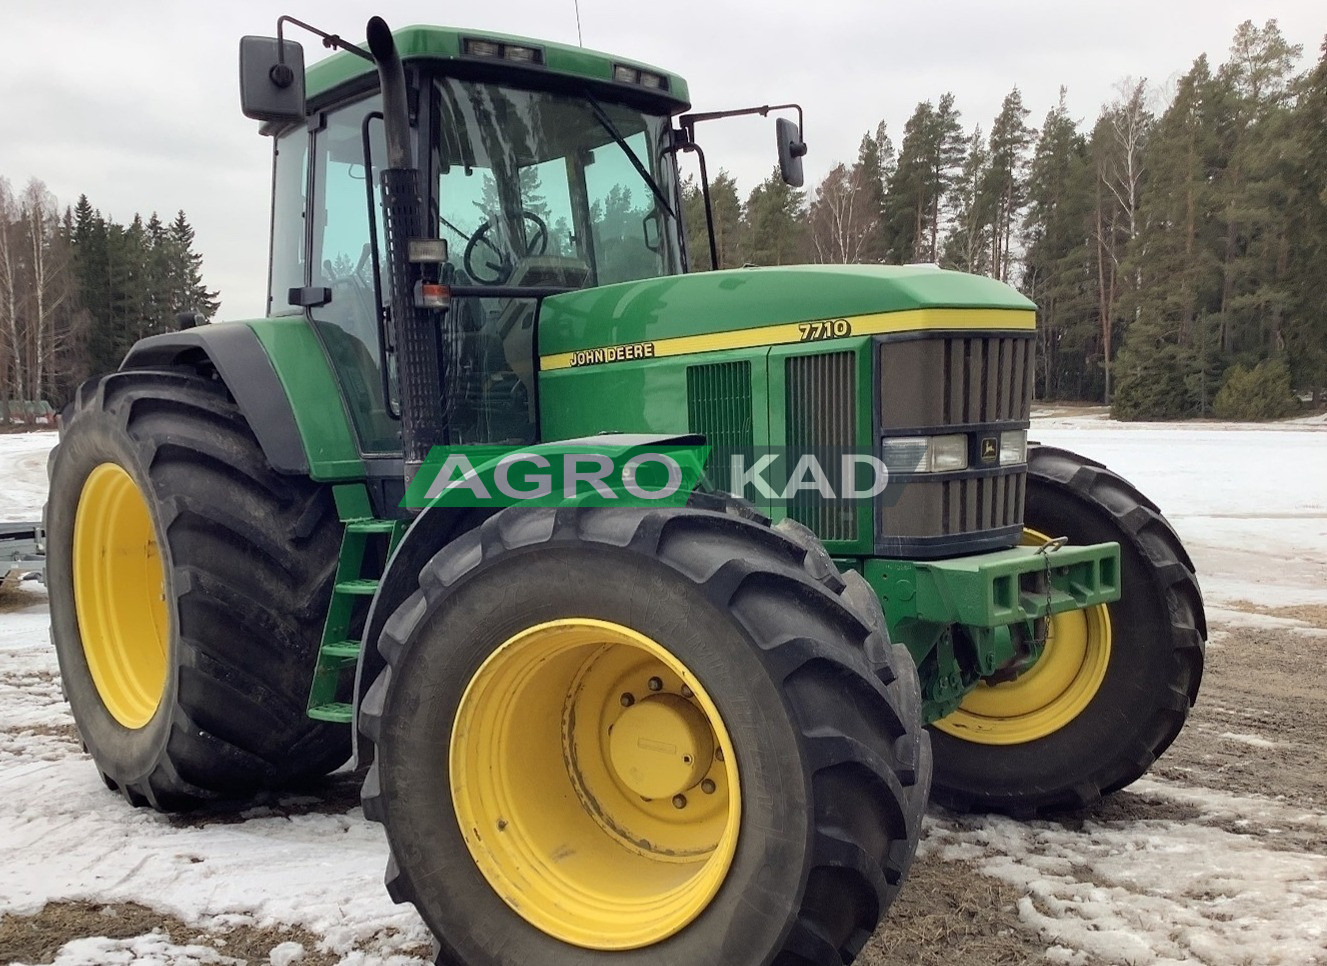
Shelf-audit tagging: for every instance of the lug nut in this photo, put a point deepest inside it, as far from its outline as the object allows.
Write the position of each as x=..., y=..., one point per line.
x=655, y=684
x=707, y=786
x=679, y=801
x=628, y=699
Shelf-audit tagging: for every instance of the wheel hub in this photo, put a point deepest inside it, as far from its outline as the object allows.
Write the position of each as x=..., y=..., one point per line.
x=661, y=746
x=595, y=784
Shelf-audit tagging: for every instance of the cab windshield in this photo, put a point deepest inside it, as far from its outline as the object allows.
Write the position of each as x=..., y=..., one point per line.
x=536, y=188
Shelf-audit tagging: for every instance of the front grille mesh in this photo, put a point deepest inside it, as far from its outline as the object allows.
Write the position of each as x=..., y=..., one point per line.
x=820, y=407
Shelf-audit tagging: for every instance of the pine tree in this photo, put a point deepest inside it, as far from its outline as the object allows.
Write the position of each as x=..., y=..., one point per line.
x=1004, y=186
x=874, y=159
x=1305, y=329
x=929, y=162
x=1057, y=272
x=1254, y=186
x=907, y=203
x=775, y=223
x=727, y=210
x=186, y=290
x=967, y=246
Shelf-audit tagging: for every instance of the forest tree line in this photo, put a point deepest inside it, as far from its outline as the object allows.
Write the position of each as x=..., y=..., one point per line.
x=77, y=289
x=1176, y=247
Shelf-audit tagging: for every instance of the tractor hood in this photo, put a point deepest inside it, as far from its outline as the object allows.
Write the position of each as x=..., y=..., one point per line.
x=748, y=305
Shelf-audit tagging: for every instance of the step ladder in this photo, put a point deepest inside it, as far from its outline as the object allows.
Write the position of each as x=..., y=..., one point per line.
x=365, y=544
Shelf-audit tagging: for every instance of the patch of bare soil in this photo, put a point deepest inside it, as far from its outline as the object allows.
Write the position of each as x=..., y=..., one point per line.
x=36, y=939
x=16, y=598
x=1260, y=723
x=65, y=732
x=949, y=914
x=1314, y=615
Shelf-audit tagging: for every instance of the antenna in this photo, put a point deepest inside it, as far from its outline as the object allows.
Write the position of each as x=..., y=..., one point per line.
x=579, y=39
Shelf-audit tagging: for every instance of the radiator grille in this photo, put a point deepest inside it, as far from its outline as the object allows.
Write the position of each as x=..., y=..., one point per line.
x=952, y=380
x=932, y=383
x=719, y=408
x=820, y=409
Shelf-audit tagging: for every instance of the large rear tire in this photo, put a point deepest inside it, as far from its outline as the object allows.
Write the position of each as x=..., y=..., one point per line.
x=188, y=585
x=1113, y=686
x=642, y=736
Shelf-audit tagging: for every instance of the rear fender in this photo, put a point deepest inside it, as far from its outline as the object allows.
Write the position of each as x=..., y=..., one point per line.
x=240, y=361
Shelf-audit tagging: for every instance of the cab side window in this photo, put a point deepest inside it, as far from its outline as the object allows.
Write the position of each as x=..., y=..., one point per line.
x=345, y=197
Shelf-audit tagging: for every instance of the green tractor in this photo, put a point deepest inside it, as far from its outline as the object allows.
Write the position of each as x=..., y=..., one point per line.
x=698, y=733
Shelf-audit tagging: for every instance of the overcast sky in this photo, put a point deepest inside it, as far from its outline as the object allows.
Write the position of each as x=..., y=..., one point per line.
x=136, y=104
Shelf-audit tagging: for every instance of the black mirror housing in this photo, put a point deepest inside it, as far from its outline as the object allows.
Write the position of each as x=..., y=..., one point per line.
x=271, y=79
x=791, y=151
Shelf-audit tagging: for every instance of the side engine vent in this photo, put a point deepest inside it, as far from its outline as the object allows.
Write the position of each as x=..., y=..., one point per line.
x=820, y=409
x=719, y=408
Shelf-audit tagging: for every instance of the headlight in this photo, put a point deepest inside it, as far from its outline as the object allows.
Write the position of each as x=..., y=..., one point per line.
x=1013, y=446
x=926, y=454
x=949, y=453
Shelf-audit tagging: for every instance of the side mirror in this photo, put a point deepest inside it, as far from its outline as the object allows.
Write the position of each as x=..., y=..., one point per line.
x=791, y=151
x=271, y=79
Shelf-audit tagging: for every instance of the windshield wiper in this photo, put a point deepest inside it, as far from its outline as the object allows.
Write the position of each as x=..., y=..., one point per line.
x=607, y=124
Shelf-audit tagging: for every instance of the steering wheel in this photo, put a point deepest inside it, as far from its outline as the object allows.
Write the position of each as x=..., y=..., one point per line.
x=499, y=270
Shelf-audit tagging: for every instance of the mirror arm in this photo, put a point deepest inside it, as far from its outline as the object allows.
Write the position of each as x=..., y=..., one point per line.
x=331, y=41
x=689, y=121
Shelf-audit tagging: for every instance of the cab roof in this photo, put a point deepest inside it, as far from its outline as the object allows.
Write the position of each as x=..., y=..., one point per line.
x=463, y=48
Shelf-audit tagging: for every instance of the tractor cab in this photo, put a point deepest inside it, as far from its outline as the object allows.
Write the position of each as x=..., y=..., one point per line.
x=544, y=169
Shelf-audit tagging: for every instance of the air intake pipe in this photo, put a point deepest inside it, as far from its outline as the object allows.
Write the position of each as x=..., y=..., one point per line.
x=415, y=329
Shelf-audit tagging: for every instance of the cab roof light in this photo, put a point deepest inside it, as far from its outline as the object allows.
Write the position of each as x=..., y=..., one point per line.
x=516, y=53
x=626, y=74
x=483, y=48
x=522, y=55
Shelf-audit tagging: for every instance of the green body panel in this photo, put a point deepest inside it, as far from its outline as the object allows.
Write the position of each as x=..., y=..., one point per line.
x=744, y=298
x=992, y=597
x=651, y=396
x=444, y=43
x=315, y=396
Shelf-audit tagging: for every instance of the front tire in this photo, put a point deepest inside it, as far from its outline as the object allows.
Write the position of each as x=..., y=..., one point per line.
x=1115, y=682
x=188, y=584
x=763, y=806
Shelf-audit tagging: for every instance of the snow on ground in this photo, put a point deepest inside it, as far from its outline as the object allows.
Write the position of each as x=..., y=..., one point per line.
x=1200, y=875
x=1249, y=500
x=23, y=475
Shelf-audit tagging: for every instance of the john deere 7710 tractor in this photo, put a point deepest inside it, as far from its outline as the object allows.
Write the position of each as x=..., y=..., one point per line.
x=655, y=735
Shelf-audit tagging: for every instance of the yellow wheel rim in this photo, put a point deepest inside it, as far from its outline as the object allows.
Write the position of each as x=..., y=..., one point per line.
x=1051, y=693
x=595, y=784
x=120, y=595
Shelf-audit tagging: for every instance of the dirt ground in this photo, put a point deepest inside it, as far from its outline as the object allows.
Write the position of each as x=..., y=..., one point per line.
x=1261, y=687
x=1259, y=728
